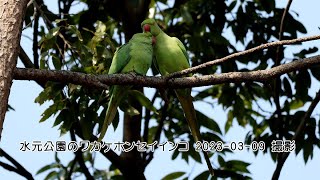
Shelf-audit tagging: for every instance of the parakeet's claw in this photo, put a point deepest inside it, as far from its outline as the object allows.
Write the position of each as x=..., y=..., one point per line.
x=132, y=73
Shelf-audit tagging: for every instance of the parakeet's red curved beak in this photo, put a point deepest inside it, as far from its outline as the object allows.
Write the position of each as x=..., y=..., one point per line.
x=154, y=40
x=146, y=28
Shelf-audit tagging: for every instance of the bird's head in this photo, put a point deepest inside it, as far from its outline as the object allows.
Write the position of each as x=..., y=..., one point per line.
x=150, y=25
x=144, y=38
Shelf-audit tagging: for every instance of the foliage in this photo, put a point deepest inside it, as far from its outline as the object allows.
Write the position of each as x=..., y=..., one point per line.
x=85, y=42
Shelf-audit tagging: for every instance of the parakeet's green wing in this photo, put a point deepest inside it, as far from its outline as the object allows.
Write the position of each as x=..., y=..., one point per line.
x=131, y=57
x=120, y=59
x=172, y=57
x=183, y=49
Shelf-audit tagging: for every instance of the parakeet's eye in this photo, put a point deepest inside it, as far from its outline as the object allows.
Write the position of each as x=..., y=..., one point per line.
x=146, y=28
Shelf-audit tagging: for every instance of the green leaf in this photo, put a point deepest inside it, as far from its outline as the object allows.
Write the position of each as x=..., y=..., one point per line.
x=232, y=5
x=221, y=161
x=54, y=31
x=51, y=175
x=86, y=122
x=75, y=30
x=203, y=175
x=69, y=119
x=268, y=5
x=56, y=61
x=174, y=175
x=127, y=108
x=303, y=82
x=237, y=165
x=307, y=151
x=59, y=20
x=186, y=15
x=208, y=122
x=175, y=154
x=115, y=121
x=316, y=72
x=295, y=104
x=195, y=155
x=229, y=121
x=43, y=96
x=47, y=167
x=51, y=110
x=61, y=116
x=213, y=92
x=304, y=52
x=43, y=64
x=51, y=34
x=143, y=100
x=287, y=87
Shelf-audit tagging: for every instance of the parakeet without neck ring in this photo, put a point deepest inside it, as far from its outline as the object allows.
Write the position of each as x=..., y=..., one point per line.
x=170, y=56
x=132, y=57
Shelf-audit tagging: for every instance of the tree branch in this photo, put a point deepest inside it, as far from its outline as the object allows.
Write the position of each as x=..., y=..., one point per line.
x=11, y=168
x=297, y=133
x=25, y=59
x=238, y=54
x=19, y=169
x=28, y=64
x=59, y=76
x=101, y=81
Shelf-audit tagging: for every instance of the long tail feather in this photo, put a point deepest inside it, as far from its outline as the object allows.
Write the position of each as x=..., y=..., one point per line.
x=118, y=93
x=186, y=101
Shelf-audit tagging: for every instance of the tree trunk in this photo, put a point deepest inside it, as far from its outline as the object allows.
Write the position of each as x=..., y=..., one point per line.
x=11, y=20
x=131, y=133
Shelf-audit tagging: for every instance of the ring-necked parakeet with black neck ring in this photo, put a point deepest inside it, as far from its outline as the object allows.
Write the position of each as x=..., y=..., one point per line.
x=170, y=56
x=132, y=57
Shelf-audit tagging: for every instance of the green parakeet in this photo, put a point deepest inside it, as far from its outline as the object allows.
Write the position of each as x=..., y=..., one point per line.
x=170, y=56
x=132, y=57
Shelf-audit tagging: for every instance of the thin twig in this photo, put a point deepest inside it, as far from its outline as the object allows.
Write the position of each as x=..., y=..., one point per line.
x=157, y=5
x=80, y=159
x=277, y=85
x=35, y=38
x=286, y=10
x=69, y=174
x=238, y=54
x=297, y=133
x=47, y=22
